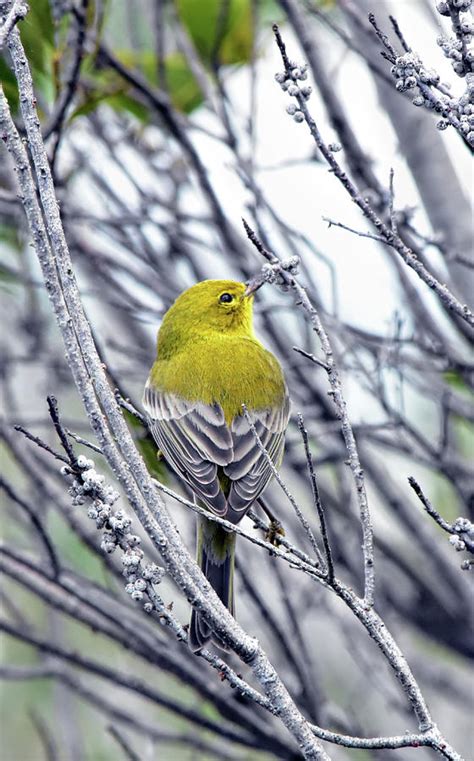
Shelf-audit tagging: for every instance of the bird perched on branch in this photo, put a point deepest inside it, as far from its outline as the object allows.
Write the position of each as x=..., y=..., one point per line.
x=209, y=364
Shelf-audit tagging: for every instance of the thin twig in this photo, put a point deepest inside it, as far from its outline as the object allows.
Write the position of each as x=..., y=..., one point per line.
x=394, y=240
x=341, y=408
x=317, y=500
x=462, y=528
x=429, y=507
x=60, y=430
x=84, y=442
x=307, y=528
x=56, y=122
x=383, y=38
x=360, y=233
x=39, y=442
x=45, y=735
x=126, y=404
x=399, y=33
x=310, y=356
x=50, y=551
x=393, y=221
x=123, y=743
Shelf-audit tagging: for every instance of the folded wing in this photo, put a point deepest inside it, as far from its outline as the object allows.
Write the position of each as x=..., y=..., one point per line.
x=251, y=468
x=200, y=447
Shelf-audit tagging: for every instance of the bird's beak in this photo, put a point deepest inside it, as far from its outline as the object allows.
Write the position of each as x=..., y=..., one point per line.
x=253, y=285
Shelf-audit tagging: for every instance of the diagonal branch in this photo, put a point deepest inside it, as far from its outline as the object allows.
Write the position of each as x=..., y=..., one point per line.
x=382, y=228
x=341, y=410
x=17, y=12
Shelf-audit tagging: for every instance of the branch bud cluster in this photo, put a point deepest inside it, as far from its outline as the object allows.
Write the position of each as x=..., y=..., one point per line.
x=463, y=538
x=289, y=83
x=273, y=272
x=457, y=47
x=88, y=485
x=452, y=48
x=409, y=71
x=460, y=5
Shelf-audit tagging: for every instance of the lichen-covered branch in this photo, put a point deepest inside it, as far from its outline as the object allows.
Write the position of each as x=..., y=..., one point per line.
x=15, y=12
x=288, y=80
x=276, y=270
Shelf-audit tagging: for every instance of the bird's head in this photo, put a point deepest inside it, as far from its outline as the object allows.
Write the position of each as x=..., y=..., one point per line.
x=208, y=308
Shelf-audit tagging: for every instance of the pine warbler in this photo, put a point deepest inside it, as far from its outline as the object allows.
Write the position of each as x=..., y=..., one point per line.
x=208, y=365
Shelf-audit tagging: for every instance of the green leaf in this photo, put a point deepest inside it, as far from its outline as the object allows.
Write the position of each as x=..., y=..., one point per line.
x=464, y=431
x=6, y=279
x=110, y=88
x=455, y=380
x=184, y=91
x=40, y=13
x=37, y=36
x=93, y=100
x=118, y=100
x=209, y=28
x=147, y=447
x=7, y=78
x=106, y=86
x=9, y=235
x=144, y=60
x=125, y=102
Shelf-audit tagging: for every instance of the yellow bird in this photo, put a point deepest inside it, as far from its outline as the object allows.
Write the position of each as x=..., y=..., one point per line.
x=208, y=365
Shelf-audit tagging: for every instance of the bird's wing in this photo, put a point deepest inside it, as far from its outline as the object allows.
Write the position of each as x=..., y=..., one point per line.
x=250, y=469
x=196, y=442
x=194, y=439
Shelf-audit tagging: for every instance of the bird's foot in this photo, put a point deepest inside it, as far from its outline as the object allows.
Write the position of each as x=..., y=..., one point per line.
x=274, y=531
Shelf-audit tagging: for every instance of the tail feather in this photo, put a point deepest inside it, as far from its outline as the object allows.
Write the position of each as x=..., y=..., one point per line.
x=215, y=556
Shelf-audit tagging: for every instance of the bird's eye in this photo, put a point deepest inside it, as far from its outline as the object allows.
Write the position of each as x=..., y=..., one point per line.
x=226, y=298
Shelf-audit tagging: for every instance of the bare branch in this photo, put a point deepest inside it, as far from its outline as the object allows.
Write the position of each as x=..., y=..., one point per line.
x=129, y=753
x=17, y=12
x=443, y=293
x=41, y=531
x=462, y=530
x=281, y=483
x=341, y=408
x=317, y=500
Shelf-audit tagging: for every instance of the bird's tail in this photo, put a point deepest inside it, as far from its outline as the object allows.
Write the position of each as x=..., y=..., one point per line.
x=215, y=556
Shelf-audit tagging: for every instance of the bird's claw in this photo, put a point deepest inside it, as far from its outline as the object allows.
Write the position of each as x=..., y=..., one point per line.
x=274, y=531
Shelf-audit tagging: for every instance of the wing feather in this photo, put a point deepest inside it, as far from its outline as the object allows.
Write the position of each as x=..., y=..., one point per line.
x=250, y=470
x=194, y=439
x=197, y=442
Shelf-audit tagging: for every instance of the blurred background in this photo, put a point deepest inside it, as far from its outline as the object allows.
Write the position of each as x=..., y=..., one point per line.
x=164, y=126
